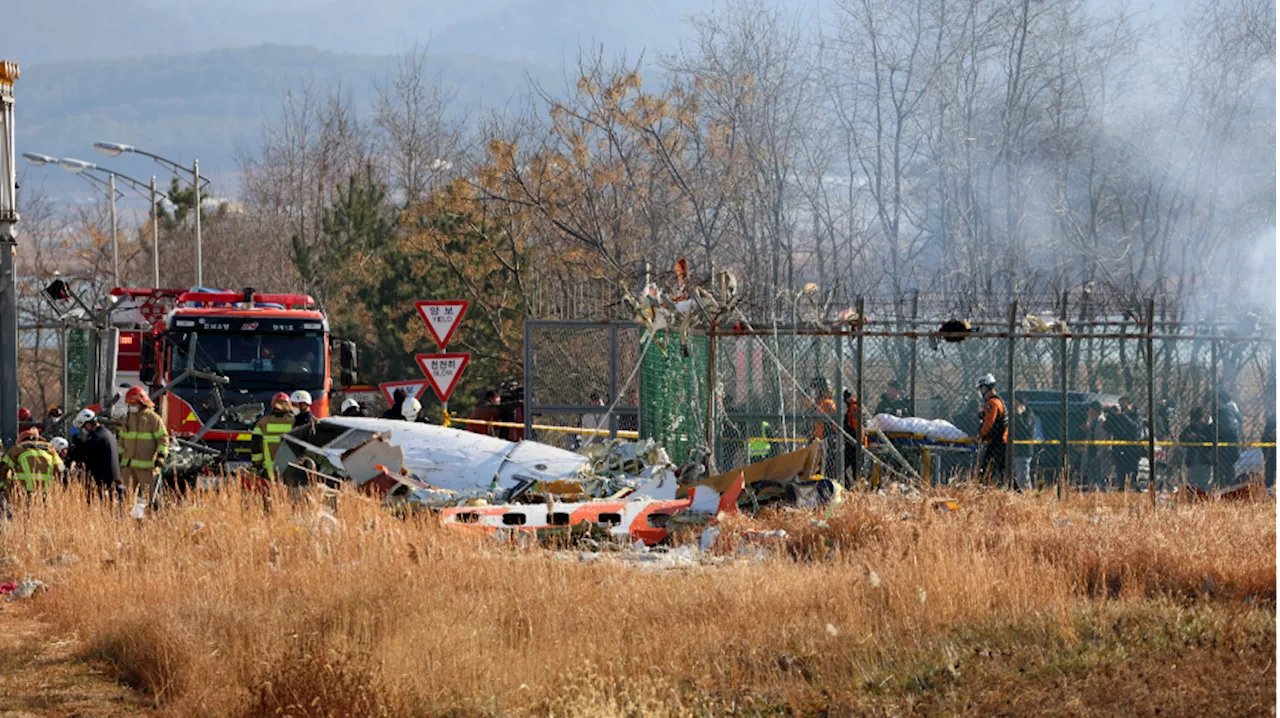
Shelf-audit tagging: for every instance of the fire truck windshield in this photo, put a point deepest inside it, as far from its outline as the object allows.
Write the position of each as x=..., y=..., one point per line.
x=255, y=361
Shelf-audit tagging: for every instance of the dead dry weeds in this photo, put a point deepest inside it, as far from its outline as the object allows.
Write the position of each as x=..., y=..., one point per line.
x=226, y=605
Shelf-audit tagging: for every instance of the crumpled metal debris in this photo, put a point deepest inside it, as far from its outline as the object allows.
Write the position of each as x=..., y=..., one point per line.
x=26, y=588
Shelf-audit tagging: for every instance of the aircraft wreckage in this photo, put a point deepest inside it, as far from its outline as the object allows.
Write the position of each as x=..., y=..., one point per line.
x=616, y=490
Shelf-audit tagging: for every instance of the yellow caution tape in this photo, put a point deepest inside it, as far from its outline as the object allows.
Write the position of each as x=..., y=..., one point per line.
x=449, y=419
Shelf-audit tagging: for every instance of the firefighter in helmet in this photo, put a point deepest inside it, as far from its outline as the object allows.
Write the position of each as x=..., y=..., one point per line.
x=32, y=464
x=144, y=444
x=266, y=435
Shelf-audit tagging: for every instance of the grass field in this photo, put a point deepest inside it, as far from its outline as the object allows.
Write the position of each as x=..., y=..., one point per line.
x=1010, y=605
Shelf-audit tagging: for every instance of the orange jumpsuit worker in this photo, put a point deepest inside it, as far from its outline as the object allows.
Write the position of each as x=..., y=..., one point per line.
x=994, y=434
x=826, y=408
x=852, y=449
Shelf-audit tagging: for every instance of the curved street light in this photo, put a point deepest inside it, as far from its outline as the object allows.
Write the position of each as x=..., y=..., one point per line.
x=84, y=170
x=115, y=149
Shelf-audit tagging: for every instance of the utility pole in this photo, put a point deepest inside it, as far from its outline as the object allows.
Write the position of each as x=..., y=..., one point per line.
x=115, y=233
x=199, y=258
x=155, y=238
x=8, y=248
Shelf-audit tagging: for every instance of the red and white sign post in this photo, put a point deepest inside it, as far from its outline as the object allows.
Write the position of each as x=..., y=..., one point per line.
x=442, y=318
x=442, y=370
x=413, y=387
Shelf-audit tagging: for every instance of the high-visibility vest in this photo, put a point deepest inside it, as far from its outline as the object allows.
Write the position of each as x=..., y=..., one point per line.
x=758, y=446
x=32, y=462
x=143, y=440
x=266, y=439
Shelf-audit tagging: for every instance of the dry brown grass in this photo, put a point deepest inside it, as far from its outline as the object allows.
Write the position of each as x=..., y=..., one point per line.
x=218, y=606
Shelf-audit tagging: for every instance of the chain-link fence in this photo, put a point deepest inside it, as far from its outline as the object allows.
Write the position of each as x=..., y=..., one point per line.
x=1129, y=397
x=48, y=358
x=580, y=375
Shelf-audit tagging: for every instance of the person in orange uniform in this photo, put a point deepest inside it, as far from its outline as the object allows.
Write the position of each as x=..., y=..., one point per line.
x=825, y=406
x=994, y=434
x=852, y=449
x=144, y=444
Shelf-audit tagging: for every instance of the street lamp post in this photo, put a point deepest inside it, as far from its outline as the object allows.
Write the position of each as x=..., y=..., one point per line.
x=195, y=184
x=81, y=169
x=155, y=237
x=115, y=246
x=115, y=149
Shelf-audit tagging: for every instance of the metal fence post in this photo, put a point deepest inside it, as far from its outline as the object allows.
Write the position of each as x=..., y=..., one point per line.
x=613, y=379
x=839, y=391
x=1151, y=399
x=711, y=400
x=1213, y=404
x=528, y=378
x=860, y=328
x=1010, y=468
x=66, y=371
x=1064, y=430
x=915, y=348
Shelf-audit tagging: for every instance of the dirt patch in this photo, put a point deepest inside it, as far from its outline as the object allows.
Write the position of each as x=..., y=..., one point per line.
x=41, y=674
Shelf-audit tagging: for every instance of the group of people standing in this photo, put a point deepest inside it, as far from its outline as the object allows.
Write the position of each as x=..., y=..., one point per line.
x=1108, y=447
x=123, y=464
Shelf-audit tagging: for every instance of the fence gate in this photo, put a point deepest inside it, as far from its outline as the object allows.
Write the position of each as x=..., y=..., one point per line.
x=574, y=371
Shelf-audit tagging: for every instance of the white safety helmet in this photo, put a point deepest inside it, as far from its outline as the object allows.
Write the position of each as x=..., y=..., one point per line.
x=301, y=396
x=84, y=417
x=349, y=403
x=411, y=408
x=986, y=380
x=59, y=443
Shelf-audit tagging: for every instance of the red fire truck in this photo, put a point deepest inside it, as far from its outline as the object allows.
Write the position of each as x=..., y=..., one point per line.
x=207, y=353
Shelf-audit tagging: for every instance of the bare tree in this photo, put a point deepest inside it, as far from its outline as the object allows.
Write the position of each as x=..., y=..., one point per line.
x=416, y=140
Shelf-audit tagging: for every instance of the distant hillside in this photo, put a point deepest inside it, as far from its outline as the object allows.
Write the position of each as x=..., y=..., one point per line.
x=540, y=31
x=201, y=105
x=551, y=31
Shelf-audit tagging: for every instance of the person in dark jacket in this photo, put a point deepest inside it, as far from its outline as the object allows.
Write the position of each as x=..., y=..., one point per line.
x=893, y=401
x=1122, y=427
x=1198, y=459
x=397, y=404
x=301, y=400
x=489, y=410
x=95, y=449
x=1024, y=429
x=1269, y=452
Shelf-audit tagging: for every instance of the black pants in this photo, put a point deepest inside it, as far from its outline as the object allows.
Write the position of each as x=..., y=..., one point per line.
x=852, y=459
x=993, y=463
x=1126, y=467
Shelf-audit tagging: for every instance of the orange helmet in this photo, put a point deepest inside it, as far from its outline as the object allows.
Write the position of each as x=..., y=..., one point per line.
x=137, y=395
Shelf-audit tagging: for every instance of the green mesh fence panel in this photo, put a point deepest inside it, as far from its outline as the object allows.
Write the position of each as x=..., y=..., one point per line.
x=673, y=398
x=78, y=348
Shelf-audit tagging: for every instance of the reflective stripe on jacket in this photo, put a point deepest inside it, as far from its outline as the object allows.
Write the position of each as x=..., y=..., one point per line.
x=266, y=438
x=31, y=462
x=144, y=441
